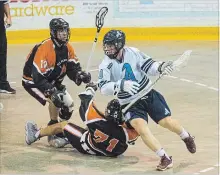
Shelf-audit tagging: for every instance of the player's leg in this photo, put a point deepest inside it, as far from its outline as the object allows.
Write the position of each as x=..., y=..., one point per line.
x=33, y=133
x=4, y=84
x=64, y=114
x=161, y=114
x=53, y=111
x=137, y=118
x=34, y=92
x=75, y=136
x=53, y=140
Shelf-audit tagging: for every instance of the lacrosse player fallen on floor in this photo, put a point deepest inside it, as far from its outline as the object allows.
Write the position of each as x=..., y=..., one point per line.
x=45, y=68
x=124, y=73
x=107, y=135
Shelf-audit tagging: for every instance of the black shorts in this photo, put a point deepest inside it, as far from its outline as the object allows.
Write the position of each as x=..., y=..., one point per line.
x=152, y=104
x=74, y=134
x=35, y=92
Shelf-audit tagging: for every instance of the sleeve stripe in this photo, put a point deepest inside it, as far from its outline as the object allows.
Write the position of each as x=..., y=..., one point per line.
x=146, y=69
x=146, y=63
x=102, y=83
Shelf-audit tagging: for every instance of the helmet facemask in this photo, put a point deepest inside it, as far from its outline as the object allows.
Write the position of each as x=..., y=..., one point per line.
x=63, y=35
x=112, y=49
x=60, y=32
x=113, y=42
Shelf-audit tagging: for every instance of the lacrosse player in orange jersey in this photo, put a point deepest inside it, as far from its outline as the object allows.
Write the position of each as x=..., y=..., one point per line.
x=45, y=68
x=107, y=135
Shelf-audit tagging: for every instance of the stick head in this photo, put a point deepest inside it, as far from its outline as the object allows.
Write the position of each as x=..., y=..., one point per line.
x=100, y=18
x=182, y=60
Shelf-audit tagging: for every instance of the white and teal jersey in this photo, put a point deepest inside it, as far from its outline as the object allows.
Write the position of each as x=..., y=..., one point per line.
x=134, y=66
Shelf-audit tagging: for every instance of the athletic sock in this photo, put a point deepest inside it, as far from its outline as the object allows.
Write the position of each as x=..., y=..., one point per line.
x=161, y=152
x=184, y=134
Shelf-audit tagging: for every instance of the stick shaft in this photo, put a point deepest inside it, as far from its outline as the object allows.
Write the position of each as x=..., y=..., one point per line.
x=182, y=59
x=92, y=51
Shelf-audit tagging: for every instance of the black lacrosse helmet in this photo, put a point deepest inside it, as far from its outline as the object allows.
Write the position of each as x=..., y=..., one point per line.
x=116, y=38
x=113, y=112
x=59, y=24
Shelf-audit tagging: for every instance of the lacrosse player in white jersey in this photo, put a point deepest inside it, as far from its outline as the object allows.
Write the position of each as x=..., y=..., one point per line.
x=124, y=73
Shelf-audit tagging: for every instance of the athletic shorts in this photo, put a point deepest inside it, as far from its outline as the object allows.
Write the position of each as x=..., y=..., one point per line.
x=152, y=104
x=80, y=139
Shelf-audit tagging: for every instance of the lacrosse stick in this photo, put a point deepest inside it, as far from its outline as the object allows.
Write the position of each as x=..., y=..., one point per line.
x=177, y=64
x=99, y=22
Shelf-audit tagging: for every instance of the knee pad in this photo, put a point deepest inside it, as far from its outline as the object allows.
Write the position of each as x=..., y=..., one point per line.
x=68, y=101
x=65, y=113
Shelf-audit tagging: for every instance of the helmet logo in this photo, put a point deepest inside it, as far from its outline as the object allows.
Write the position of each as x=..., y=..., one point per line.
x=118, y=34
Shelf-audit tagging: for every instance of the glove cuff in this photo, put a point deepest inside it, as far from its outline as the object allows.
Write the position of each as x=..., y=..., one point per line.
x=159, y=68
x=90, y=90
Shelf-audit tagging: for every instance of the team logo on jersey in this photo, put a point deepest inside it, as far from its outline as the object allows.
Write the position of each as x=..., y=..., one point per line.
x=167, y=112
x=129, y=75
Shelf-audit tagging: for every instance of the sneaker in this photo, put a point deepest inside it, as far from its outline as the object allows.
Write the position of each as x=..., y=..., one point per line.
x=7, y=89
x=57, y=142
x=165, y=163
x=190, y=144
x=31, y=130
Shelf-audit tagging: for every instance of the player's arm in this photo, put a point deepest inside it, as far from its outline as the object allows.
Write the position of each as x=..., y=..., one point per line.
x=107, y=87
x=88, y=110
x=151, y=67
x=74, y=69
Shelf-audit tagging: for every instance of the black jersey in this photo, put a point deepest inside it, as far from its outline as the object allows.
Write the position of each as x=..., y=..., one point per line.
x=105, y=137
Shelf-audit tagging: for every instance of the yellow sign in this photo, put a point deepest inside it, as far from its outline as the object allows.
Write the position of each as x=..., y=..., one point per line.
x=32, y=10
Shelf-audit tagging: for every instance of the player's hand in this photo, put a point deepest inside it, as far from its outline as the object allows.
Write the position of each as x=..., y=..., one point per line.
x=129, y=86
x=82, y=76
x=8, y=22
x=92, y=85
x=166, y=68
x=57, y=98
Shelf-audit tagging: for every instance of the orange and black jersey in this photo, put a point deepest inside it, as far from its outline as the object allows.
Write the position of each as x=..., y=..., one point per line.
x=47, y=64
x=106, y=137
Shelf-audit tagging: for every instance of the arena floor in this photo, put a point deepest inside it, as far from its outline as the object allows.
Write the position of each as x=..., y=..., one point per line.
x=192, y=95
